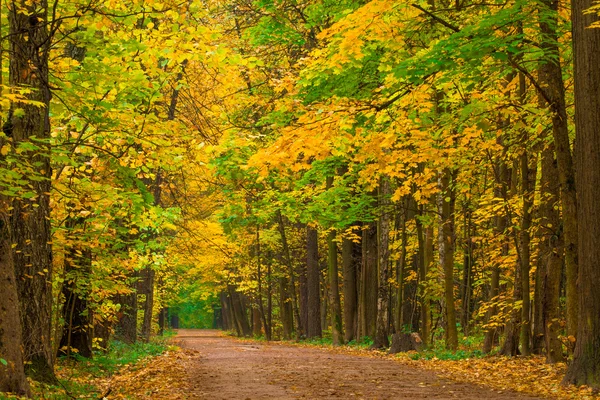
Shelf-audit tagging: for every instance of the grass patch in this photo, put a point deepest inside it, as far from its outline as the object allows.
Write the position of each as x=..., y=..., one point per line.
x=81, y=377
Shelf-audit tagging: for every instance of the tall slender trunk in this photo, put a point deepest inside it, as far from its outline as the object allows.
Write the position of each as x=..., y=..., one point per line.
x=313, y=280
x=261, y=306
x=425, y=240
x=446, y=201
x=383, y=296
x=350, y=293
x=467, y=278
x=287, y=307
x=500, y=224
x=337, y=332
x=527, y=179
x=549, y=260
x=401, y=268
x=368, y=284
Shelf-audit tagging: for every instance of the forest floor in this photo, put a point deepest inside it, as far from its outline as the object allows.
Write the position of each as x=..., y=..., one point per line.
x=220, y=367
x=211, y=365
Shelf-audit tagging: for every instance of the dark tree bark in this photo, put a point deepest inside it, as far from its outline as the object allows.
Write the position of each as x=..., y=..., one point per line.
x=239, y=312
x=554, y=93
x=585, y=368
x=446, y=235
x=256, y=324
x=528, y=175
x=78, y=319
x=30, y=219
x=500, y=223
x=148, y=283
x=337, y=332
x=313, y=278
x=425, y=240
x=302, y=305
x=368, y=285
x=383, y=296
x=127, y=325
x=286, y=305
x=550, y=260
x=349, y=262
x=261, y=307
x=12, y=375
x=466, y=289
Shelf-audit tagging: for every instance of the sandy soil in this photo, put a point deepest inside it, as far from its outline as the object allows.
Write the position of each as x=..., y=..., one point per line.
x=225, y=368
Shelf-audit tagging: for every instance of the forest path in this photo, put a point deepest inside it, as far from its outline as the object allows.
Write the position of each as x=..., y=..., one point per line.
x=225, y=368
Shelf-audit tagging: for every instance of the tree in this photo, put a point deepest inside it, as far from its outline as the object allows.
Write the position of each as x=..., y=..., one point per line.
x=585, y=368
x=29, y=126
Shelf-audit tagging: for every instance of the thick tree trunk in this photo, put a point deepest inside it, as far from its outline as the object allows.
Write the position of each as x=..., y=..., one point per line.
x=368, y=284
x=585, y=368
x=12, y=375
x=383, y=296
x=554, y=93
x=313, y=278
x=30, y=219
x=446, y=201
x=550, y=260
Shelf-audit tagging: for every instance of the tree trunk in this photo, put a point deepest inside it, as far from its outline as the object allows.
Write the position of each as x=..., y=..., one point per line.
x=527, y=188
x=554, y=93
x=349, y=261
x=585, y=368
x=148, y=304
x=383, y=297
x=368, y=284
x=425, y=240
x=446, y=201
x=313, y=280
x=30, y=219
x=285, y=305
x=12, y=375
x=78, y=320
x=256, y=324
x=500, y=223
x=550, y=260
x=337, y=332
x=261, y=306
x=129, y=311
x=467, y=278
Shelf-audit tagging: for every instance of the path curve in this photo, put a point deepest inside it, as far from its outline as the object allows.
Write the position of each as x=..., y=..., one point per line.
x=225, y=368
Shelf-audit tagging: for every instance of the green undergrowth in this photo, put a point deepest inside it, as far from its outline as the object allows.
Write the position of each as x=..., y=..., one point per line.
x=468, y=346
x=81, y=377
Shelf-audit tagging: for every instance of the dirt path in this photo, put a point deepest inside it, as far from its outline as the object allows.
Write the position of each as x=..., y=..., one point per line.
x=223, y=368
